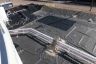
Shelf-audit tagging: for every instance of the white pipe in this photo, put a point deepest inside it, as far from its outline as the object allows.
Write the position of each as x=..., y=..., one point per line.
x=61, y=45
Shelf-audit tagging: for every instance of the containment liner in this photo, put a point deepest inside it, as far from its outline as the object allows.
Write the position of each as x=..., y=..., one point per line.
x=76, y=28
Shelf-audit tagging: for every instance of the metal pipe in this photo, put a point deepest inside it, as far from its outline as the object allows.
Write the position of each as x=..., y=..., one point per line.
x=61, y=45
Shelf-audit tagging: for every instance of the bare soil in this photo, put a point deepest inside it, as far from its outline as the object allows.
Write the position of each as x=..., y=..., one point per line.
x=61, y=6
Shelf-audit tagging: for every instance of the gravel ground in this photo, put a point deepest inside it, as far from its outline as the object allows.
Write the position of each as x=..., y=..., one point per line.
x=61, y=6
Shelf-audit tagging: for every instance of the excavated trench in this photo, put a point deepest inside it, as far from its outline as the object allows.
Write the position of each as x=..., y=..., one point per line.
x=77, y=28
